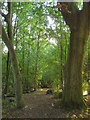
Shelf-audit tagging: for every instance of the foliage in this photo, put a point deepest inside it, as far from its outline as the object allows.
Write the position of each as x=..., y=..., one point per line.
x=32, y=21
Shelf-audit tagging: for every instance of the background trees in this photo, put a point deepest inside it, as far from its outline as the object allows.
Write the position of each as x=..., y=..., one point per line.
x=40, y=45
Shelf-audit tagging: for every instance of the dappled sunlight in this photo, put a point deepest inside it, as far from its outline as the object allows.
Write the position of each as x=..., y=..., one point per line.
x=44, y=64
x=85, y=92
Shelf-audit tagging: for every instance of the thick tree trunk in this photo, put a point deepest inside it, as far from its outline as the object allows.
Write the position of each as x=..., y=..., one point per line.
x=73, y=95
x=79, y=22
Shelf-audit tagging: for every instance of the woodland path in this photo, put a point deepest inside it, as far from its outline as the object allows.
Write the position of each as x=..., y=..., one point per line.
x=38, y=105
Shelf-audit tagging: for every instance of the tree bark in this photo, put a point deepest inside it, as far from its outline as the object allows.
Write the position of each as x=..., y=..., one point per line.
x=88, y=69
x=73, y=80
x=65, y=47
x=23, y=57
x=61, y=58
x=35, y=78
x=7, y=74
x=8, y=40
x=28, y=62
x=78, y=22
x=19, y=97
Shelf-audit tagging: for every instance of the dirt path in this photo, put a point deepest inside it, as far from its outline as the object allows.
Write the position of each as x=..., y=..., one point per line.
x=38, y=105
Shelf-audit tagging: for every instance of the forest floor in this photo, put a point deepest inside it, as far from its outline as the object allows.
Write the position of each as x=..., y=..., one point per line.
x=40, y=105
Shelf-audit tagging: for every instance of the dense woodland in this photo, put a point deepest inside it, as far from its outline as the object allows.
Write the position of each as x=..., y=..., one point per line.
x=45, y=45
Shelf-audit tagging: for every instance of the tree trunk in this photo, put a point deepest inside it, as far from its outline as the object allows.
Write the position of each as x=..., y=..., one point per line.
x=23, y=48
x=73, y=95
x=65, y=47
x=9, y=43
x=28, y=62
x=79, y=22
x=35, y=78
x=18, y=79
x=19, y=98
x=7, y=74
x=88, y=69
x=61, y=58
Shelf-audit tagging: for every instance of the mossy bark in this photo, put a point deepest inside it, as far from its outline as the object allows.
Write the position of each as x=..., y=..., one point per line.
x=18, y=79
x=73, y=80
x=78, y=22
x=8, y=40
x=7, y=74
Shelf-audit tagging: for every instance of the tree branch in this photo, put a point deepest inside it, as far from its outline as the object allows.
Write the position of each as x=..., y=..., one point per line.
x=62, y=6
x=4, y=35
x=5, y=38
x=69, y=13
x=3, y=14
x=8, y=16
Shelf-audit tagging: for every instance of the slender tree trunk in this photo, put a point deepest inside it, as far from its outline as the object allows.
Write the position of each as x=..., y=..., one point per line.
x=16, y=41
x=28, y=59
x=35, y=78
x=23, y=57
x=61, y=76
x=23, y=72
x=65, y=47
x=28, y=64
x=7, y=74
x=88, y=69
x=61, y=58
